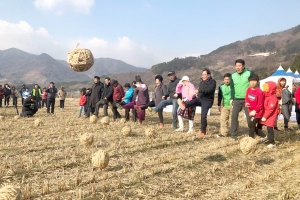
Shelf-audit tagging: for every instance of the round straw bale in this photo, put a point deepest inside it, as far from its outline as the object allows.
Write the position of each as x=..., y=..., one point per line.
x=38, y=122
x=126, y=131
x=150, y=132
x=10, y=192
x=100, y=159
x=93, y=119
x=248, y=145
x=80, y=60
x=2, y=118
x=87, y=139
x=105, y=120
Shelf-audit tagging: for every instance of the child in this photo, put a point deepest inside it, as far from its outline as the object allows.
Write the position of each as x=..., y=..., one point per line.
x=44, y=98
x=224, y=96
x=254, y=101
x=188, y=92
x=270, y=114
x=82, y=102
x=285, y=100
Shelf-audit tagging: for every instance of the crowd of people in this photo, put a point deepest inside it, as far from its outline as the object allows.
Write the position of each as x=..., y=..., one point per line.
x=239, y=91
x=34, y=99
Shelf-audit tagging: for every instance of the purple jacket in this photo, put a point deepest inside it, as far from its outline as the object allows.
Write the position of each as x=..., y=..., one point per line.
x=143, y=94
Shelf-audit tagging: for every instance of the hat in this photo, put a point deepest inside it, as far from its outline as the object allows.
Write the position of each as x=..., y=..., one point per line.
x=127, y=85
x=51, y=83
x=185, y=78
x=171, y=73
x=159, y=77
x=138, y=78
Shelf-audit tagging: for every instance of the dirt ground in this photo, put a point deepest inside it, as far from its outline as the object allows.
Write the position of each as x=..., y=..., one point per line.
x=49, y=162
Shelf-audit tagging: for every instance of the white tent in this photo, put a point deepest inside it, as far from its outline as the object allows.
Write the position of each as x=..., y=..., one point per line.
x=280, y=73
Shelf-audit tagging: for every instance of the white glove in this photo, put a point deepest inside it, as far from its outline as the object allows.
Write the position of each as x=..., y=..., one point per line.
x=180, y=82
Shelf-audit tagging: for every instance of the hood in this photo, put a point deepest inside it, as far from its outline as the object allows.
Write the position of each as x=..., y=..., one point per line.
x=278, y=83
x=269, y=88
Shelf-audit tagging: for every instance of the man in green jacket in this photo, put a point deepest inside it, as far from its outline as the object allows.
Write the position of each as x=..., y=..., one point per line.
x=37, y=93
x=239, y=84
x=224, y=97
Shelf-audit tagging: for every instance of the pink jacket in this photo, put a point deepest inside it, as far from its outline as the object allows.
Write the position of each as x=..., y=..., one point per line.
x=187, y=92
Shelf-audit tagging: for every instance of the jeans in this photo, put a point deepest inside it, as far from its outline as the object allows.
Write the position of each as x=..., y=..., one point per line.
x=80, y=111
x=44, y=102
x=205, y=106
x=238, y=105
x=50, y=103
x=38, y=102
x=115, y=111
x=173, y=102
x=6, y=100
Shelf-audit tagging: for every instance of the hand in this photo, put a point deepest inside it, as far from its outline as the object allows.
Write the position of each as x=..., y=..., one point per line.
x=252, y=113
x=180, y=82
x=163, y=97
x=196, y=91
x=220, y=108
x=263, y=119
x=231, y=102
x=247, y=105
x=175, y=95
x=105, y=98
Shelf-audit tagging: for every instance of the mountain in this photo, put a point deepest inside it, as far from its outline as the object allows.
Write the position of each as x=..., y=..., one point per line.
x=18, y=67
x=104, y=66
x=263, y=54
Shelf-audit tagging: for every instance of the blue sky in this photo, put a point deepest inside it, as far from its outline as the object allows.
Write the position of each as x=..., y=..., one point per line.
x=139, y=32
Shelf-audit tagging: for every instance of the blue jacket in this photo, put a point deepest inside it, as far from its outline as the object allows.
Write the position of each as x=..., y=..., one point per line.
x=128, y=95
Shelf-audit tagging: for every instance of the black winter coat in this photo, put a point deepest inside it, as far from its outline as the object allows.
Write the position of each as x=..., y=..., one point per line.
x=207, y=89
x=96, y=93
x=172, y=88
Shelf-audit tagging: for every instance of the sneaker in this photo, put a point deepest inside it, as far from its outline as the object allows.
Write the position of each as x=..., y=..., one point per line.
x=181, y=104
x=264, y=140
x=202, y=134
x=179, y=130
x=270, y=146
x=190, y=131
x=150, y=109
x=220, y=136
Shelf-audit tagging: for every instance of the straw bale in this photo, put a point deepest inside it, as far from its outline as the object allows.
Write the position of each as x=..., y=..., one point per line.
x=87, y=139
x=100, y=159
x=150, y=132
x=248, y=145
x=93, y=119
x=105, y=120
x=126, y=131
x=80, y=60
x=10, y=192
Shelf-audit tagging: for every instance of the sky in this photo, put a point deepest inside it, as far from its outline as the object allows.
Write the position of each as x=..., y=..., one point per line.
x=139, y=32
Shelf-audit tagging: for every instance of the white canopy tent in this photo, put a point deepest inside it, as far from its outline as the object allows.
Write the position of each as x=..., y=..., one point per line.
x=280, y=73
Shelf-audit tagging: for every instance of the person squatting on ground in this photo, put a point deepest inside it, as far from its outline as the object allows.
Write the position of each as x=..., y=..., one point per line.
x=296, y=94
x=270, y=114
x=239, y=84
x=286, y=102
x=51, y=93
x=224, y=96
x=37, y=93
x=107, y=98
x=95, y=94
x=62, y=95
x=44, y=98
x=118, y=94
x=159, y=91
x=187, y=91
x=7, y=94
x=205, y=98
x=141, y=99
x=29, y=107
x=82, y=102
x=22, y=89
x=1, y=95
x=169, y=98
x=254, y=101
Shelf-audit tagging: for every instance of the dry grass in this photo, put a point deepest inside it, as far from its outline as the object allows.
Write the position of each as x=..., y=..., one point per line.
x=48, y=161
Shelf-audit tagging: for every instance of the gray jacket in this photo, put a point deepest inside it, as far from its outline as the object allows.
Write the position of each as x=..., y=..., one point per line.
x=159, y=92
x=286, y=96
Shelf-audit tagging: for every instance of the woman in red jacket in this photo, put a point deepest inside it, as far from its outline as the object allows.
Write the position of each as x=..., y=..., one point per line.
x=269, y=115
